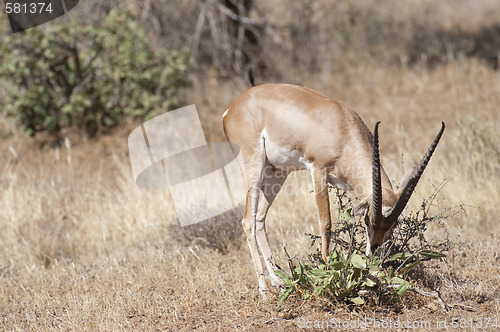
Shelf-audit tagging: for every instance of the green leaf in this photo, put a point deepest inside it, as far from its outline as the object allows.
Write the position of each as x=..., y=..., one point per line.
x=319, y=273
x=357, y=300
x=420, y=235
x=431, y=254
x=346, y=216
x=371, y=281
x=397, y=281
x=401, y=289
x=318, y=290
x=400, y=255
x=286, y=293
x=410, y=266
x=374, y=264
x=391, y=272
x=337, y=265
x=358, y=261
x=281, y=275
x=299, y=273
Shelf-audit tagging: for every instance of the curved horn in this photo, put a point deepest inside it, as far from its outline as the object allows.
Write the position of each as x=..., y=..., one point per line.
x=405, y=196
x=377, y=187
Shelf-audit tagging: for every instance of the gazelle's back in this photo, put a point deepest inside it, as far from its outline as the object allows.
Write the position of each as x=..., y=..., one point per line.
x=287, y=113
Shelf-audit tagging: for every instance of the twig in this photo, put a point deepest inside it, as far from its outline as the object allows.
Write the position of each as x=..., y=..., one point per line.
x=290, y=263
x=414, y=254
x=435, y=294
x=199, y=26
x=235, y=17
x=145, y=9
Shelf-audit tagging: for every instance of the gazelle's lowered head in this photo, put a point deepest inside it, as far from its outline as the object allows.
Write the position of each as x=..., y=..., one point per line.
x=379, y=219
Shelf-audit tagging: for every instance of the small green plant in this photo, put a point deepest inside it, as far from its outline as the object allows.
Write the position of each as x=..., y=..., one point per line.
x=351, y=277
x=87, y=75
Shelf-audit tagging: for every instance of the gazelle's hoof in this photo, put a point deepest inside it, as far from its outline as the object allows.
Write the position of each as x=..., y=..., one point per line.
x=266, y=295
x=277, y=282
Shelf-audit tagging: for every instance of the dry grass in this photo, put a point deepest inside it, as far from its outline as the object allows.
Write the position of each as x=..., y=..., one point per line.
x=83, y=248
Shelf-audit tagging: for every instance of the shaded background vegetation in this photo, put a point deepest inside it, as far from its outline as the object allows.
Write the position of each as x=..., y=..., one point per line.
x=83, y=247
x=115, y=59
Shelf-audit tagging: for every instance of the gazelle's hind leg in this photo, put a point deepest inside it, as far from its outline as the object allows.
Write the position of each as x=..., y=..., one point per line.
x=271, y=184
x=252, y=243
x=272, y=181
x=255, y=174
x=263, y=177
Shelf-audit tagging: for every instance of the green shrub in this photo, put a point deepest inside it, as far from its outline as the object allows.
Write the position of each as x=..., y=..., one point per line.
x=351, y=277
x=87, y=76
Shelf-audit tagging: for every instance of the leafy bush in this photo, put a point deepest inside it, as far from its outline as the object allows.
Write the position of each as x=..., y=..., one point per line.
x=351, y=277
x=79, y=74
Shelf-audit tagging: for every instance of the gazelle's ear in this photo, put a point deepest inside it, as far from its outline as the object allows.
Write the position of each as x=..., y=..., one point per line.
x=404, y=180
x=361, y=207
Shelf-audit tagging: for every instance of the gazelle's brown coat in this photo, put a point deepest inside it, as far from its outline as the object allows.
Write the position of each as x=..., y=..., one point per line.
x=281, y=128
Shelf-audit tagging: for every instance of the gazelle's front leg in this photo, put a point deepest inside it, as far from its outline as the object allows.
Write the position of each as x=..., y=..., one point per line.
x=320, y=180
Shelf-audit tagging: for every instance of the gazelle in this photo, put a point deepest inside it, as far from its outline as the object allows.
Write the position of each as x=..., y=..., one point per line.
x=280, y=128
